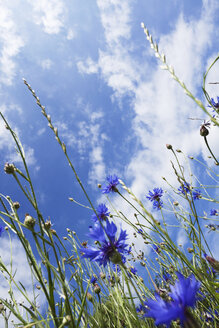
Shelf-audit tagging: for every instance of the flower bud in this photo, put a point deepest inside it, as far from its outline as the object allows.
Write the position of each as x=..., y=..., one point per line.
x=16, y=205
x=97, y=289
x=29, y=221
x=169, y=146
x=9, y=168
x=89, y=297
x=214, y=263
x=102, y=275
x=190, y=250
x=66, y=320
x=203, y=131
x=48, y=224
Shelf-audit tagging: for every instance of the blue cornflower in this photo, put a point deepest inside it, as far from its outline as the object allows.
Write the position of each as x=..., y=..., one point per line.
x=141, y=309
x=133, y=270
x=102, y=213
x=93, y=280
x=113, y=250
x=196, y=194
x=155, y=197
x=140, y=231
x=215, y=104
x=184, y=188
x=164, y=312
x=156, y=248
x=213, y=212
x=113, y=182
x=157, y=204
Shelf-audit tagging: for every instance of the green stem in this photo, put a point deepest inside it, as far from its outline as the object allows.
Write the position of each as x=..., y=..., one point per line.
x=216, y=161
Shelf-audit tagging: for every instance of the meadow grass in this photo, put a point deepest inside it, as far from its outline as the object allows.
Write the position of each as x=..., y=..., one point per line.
x=99, y=285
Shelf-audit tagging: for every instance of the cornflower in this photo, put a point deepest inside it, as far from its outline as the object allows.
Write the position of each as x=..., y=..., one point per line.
x=215, y=104
x=109, y=247
x=113, y=181
x=185, y=188
x=165, y=312
x=102, y=213
x=155, y=197
x=214, y=212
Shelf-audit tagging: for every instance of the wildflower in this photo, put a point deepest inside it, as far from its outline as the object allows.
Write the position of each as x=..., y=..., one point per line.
x=132, y=271
x=184, y=188
x=156, y=248
x=215, y=104
x=102, y=213
x=113, y=182
x=196, y=194
x=140, y=231
x=213, y=212
x=164, y=312
x=109, y=248
x=141, y=309
x=93, y=280
x=155, y=197
x=212, y=227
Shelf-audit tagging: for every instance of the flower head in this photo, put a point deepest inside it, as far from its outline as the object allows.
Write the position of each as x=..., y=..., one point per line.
x=109, y=247
x=155, y=197
x=164, y=312
x=93, y=280
x=102, y=213
x=184, y=188
x=213, y=212
x=196, y=194
x=113, y=181
x=215, y=104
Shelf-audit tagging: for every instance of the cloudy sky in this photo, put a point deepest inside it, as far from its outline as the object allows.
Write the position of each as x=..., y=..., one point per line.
x=94, y=71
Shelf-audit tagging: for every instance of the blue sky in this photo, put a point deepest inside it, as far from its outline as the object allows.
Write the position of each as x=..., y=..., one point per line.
x=92, y=67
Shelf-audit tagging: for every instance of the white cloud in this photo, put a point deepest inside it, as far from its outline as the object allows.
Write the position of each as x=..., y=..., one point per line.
x=71, y=34
x=115, y=18
x=160, y=106
x=11, y=43
x=49, y=14
x=88, y=67
x=46, y=63
x=89, y=141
